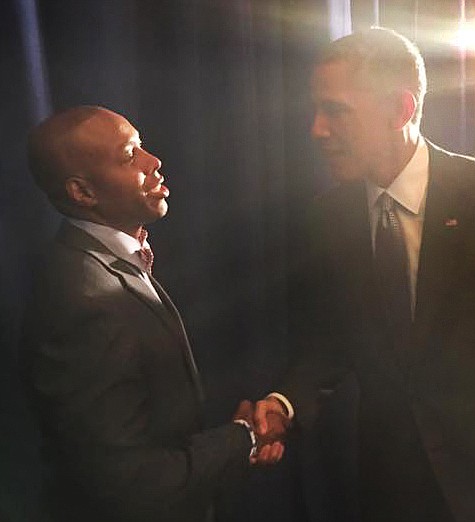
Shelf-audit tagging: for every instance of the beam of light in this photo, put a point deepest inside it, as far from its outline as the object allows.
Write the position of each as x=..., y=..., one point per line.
x=376, y=12
x=415, y=32
x=465, y=37
x=339, y=14
x=34, y=59
x=462, y=39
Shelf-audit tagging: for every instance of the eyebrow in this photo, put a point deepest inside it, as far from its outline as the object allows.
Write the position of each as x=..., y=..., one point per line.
x=132, y=141
x=334, y=104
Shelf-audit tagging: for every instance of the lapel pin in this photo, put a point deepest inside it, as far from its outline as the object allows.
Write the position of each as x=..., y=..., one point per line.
x=451, y=223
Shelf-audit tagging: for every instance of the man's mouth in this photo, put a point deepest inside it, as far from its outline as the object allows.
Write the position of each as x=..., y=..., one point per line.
x=160, y=190
x=330, y=151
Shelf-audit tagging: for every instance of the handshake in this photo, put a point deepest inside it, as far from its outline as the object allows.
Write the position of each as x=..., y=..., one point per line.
x=269, y=421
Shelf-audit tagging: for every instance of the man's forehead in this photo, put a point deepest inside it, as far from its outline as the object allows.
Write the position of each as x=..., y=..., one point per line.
x=107, y=127
x=336, y=79
x=330, y=80
x=129, y=133
x=337, y=71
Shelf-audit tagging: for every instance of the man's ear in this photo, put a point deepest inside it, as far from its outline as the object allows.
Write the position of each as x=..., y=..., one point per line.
x=404, y=108
x=81, y=191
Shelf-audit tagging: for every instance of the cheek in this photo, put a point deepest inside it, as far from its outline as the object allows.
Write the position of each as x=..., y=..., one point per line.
x=140, y=179
x=367, y=138
x=132, y=183
x=348, y=134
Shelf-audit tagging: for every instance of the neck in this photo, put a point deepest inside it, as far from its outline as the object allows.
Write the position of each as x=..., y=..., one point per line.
x=132, y=230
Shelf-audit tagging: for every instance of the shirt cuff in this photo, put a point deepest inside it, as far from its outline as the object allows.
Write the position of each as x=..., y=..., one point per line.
x=285, y=403
x=252, y=435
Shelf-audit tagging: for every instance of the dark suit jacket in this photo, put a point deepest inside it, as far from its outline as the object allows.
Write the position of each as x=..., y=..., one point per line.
x=416, y=411
x=118, y=394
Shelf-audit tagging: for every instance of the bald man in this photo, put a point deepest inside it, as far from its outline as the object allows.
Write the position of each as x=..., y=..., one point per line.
x=107, y=358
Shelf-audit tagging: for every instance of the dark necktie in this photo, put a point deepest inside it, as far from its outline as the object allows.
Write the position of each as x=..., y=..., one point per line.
x=392, y=266
x=145, y=252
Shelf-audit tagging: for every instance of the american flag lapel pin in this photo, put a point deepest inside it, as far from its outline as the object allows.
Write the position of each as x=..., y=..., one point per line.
x=451, y=223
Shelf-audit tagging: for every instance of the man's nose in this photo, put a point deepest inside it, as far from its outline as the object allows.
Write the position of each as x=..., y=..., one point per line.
x=152, y=177
x=320, y=127
x=152, y=162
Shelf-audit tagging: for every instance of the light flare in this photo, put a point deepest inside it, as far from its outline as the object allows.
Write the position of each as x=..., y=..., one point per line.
x=465, y=37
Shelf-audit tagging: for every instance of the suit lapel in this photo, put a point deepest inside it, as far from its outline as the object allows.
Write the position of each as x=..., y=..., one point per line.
x=131, y=281
x=168, y=303
x=442, y=243
x=117, y=267
x=359, y=258
x=137, y=286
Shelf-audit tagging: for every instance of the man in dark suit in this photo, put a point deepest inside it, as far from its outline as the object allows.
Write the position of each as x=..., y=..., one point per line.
x=385, y=291
x=106, y=355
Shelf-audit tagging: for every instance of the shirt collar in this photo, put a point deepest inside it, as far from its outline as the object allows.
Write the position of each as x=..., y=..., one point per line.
x=118, y=242
x=409, y=187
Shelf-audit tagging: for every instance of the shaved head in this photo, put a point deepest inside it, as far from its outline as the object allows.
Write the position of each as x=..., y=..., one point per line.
x=91, y=164
x=58, y=148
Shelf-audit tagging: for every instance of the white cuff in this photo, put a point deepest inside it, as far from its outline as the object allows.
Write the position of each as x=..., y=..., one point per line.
x=285, y=402
x=252, y=435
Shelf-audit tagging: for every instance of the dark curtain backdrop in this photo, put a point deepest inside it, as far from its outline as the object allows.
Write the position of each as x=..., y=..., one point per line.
x=219, y=91
x=214, y=87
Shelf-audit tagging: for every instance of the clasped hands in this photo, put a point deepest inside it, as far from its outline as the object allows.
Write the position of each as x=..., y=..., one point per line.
x=270, y=423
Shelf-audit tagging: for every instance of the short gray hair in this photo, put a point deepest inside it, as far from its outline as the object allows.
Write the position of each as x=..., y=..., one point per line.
x=384, y=60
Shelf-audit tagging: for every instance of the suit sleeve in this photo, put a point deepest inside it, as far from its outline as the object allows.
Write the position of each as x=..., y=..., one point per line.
x=317, y=324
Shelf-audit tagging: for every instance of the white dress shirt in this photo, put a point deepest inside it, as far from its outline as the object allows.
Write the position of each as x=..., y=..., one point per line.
x=409, y=191
x=119, y=243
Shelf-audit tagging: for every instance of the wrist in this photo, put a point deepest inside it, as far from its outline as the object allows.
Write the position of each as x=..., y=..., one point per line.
x=252, y=435
x=284, y=403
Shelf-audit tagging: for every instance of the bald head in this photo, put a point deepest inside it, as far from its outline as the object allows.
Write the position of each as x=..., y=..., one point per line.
x=91, y=164
x=60, y=147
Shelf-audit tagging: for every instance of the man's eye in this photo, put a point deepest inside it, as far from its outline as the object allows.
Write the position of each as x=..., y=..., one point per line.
x=333, y=109
x=131, y=152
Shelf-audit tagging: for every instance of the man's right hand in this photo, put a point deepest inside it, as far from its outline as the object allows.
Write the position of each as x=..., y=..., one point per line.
x=271, y=423
x=269, y=450
x=270, y=419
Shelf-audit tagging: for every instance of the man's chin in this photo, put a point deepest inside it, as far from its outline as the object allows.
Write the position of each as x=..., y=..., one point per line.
x=346, y=176
x=157, y=209
x=344, y=172
x=162, y=208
